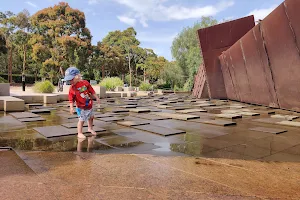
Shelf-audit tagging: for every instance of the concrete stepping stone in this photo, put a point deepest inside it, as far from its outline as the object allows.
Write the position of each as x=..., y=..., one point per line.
x=73, y=125
x=152, y=117
x=179, y=108
x=164, y=106
x=110, y=100
x=268, y=120
x=159, y=130
x=34, y=104
x=229, y=116
x=40, y=111
x=9, y=122
x=132, y=123
x=191, y=111
x=289, y=123
x=285, y=117
x=139, y=110
x=177, y=116
x=111, y=119
x=119, y=110
x=20, y=115
x=34, y=119
x=59, y=131
x=204, y=105
x=45, y=107
x=103, y=115
x=267, y=112
x=218, y=122
x=268, y=130
x=128, y=106
x=248, y=113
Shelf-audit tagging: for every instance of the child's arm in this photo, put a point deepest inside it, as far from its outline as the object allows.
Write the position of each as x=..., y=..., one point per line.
x=92, y=92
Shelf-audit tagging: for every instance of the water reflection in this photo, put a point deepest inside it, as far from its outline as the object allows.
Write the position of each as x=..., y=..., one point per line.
x=90, y=144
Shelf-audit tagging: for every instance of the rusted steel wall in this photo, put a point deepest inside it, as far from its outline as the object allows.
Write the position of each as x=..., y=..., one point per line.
x=213, y=41
x=200, y=89
x=263, y=67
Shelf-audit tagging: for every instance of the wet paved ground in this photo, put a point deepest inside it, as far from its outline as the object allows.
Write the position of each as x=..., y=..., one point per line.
x=206, y=162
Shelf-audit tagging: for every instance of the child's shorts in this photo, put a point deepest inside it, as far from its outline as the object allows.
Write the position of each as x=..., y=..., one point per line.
x=84, y=115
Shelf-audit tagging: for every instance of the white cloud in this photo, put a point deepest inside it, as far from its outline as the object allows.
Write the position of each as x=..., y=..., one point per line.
x=262, y=13
x=127, y=20
x=150, y=37
x=31, y=4
x=156, y=10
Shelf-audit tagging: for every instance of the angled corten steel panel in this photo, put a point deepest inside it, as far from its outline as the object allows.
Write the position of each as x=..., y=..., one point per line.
x=213, y=41
x=265, y=65
x=292, y=8
x=224, y=34
x=284, y=57
x=239, y=68
x=230, y=90
x=256, y=73
x=214, y=73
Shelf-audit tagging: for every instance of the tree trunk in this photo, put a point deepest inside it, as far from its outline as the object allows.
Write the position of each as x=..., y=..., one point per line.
x=24, y=58
x=103, y=72
x=61, y=71
x=10, y=66
x=129, y=68
x=144, y=75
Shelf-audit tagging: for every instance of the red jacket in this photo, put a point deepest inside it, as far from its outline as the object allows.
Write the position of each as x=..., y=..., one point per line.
x=82, y=93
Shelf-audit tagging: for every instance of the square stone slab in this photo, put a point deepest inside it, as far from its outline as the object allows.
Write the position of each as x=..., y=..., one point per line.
x=191, y=111
x=218, y=122
x=268, y=130
x=139, y=110
x=46, y=107
x=35, y=119
x=119, y=110
x=132, y=123
x=268, y=120
x=73, y=125
x=99, y=115
x=229, y=116
x=289, y=123
x=204, y=105
x=128, y=106
x=8, y=122
x=59, y=131
x=53, y=131
x=248, y=113
x=177, y=116
x=285, y=117
x=159, y=130
x=152, y=117
x=20, y=115
x=34, y=104
x=180, y=108
x=111, y=119
x=110, y=100
x=40, y=111
x=164, y=106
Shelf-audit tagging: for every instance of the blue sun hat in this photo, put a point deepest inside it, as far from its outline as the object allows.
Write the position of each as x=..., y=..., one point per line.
x=70, y=73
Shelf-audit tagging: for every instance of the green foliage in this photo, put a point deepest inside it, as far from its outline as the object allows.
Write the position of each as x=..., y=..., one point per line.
x=186, y=50
x=172, y=74
x=2, y=80
x=145, y=87
x=111, y=83
x=188, y=86
x=43, y=87
x=177, y=89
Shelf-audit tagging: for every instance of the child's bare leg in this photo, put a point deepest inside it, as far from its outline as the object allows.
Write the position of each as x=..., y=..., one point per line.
x=90, y=126
x=79, y=129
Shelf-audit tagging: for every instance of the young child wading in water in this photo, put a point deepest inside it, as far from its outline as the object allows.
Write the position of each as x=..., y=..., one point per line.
x=82, y=93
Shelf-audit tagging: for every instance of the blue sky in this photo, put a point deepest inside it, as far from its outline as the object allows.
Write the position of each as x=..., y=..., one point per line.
x=157, y=22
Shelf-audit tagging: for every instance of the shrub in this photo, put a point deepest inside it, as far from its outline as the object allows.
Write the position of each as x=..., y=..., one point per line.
x=145, y=86
x=43, y=87
x=111, y=83
x=2, y=80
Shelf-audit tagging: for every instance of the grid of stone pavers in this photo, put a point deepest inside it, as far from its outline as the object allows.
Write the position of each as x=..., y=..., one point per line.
x=161, y=125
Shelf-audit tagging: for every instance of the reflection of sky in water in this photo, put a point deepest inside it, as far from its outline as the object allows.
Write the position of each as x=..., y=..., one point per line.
x=163, y=147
